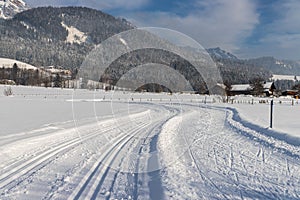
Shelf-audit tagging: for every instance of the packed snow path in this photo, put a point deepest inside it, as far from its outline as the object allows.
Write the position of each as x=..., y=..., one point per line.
x=157, y=151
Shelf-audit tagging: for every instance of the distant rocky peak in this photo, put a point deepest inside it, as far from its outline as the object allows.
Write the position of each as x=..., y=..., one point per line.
x=8, y=8
x=221, y=54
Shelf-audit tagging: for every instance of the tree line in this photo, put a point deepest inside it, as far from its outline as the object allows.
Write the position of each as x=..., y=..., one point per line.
x=37, y=77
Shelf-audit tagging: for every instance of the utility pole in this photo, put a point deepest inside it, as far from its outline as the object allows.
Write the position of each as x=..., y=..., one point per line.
x=271, y=114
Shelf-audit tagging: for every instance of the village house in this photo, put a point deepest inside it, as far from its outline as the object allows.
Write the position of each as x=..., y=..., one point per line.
x=57, y=70
x=291, y=93
x=246, y=89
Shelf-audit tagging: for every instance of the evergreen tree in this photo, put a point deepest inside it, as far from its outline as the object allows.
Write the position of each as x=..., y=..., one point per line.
x=228, y=87
x=257, y=86
x=297, y=87
x=57, y=81
x=14, y=73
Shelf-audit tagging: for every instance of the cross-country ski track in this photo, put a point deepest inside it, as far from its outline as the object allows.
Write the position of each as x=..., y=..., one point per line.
x=157, y=151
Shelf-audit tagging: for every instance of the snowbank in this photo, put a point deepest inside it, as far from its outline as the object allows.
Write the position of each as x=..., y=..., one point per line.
x=290, y=138
x=257, y=117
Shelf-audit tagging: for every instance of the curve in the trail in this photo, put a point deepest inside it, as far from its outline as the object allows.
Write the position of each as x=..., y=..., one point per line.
x=93, y=181
x=222, y=159
x=233, y=162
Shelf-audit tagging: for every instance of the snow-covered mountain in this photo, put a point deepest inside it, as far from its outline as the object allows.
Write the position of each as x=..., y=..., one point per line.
x=48, y=36
x=271, y=64
x=8, y=8
x=277, y=66
x=221, y=54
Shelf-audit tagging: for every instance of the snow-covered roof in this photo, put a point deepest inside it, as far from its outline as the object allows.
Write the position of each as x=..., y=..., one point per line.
x=285, y=77
x=221, y=85
x=268, y=85
x=56, y=70
x=247, y=87
x=240, y=87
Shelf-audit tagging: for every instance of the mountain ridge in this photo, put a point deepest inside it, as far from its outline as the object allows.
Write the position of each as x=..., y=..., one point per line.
x=63, y=36
x=272, y=64
x=221, y=54
x=39, y=36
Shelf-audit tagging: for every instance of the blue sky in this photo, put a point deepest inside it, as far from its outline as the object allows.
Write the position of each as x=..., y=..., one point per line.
x=247, y=28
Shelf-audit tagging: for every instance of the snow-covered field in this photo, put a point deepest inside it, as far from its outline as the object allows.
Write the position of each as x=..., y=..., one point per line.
x=8, y=63
x=78, y=144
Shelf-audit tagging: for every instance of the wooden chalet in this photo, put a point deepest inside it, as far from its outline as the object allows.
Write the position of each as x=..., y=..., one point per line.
x=292, y=93
x=246, y=89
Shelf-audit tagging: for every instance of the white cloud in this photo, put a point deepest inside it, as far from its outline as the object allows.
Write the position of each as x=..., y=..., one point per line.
x=223, y=23
x=116, y=4
x=291, y=17
x=97, y=4
x=282, y=36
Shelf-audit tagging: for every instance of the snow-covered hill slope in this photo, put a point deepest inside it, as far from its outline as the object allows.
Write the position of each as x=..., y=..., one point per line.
x=8, y=63
x=74, y=35
x=50, y=31
x=8, y=8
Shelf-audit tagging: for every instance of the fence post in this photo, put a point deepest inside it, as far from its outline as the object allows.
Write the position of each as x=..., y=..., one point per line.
x=271, y=114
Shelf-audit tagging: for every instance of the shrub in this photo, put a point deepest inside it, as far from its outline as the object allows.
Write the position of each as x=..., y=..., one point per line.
x=8, y=91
